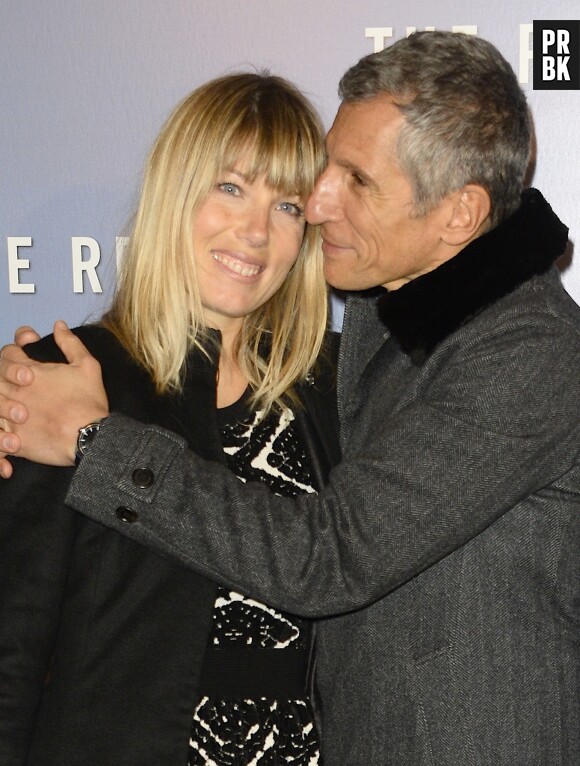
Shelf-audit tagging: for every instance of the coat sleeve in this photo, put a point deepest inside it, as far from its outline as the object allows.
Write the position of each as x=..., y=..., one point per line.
x=36, y=534
x=494, y=424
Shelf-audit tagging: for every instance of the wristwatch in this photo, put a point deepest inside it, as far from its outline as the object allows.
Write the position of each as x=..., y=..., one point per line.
x=86, y=438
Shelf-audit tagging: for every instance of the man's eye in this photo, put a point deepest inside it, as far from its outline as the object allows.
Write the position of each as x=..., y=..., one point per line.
x=359, y=181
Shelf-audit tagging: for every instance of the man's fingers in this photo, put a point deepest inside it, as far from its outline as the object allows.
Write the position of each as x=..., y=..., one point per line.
x=9, y=443
x=5, y=468
x=25, y=335
x=13, y=374
x=74, y=349
x=15, y=366
x=13, y=353
x=12, y=412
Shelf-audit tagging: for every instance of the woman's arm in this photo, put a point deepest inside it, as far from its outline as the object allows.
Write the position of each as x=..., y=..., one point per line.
x=37, y=533
x=36, y=537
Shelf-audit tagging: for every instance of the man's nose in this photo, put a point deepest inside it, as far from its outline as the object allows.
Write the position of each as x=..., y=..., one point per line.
x=324, y=202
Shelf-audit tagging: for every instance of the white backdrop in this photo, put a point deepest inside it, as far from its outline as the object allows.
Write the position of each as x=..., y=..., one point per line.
x=86, y=86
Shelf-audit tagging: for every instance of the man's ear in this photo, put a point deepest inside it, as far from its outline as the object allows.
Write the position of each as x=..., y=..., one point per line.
x=469, y=215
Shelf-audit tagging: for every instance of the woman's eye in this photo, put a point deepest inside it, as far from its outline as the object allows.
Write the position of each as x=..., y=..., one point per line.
x=292, y=208
x=228, y=188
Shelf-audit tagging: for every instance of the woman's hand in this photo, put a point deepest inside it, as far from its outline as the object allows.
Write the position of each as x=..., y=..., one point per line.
x=43, y=405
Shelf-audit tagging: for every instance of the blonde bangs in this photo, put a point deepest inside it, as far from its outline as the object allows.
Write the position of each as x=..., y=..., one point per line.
x=285, y=152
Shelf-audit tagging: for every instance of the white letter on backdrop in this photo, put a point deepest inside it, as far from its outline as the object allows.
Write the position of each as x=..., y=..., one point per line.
x=379, y=35
x=15, y=264
x=467, y=29
x=90, y=265
x=526, y=52
x=120, y=247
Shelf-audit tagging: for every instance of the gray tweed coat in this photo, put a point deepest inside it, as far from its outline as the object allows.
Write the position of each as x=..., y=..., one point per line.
x=443, y=557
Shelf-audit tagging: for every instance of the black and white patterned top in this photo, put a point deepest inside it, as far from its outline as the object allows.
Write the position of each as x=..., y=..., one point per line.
x=252, y=645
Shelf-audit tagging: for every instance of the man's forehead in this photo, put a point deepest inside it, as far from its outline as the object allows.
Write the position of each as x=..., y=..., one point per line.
x=362, y=128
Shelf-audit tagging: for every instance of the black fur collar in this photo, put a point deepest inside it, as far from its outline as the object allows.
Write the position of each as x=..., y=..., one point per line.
x=429, y=308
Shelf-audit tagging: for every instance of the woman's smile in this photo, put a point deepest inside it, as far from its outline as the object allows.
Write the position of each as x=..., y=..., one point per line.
x=238, y=264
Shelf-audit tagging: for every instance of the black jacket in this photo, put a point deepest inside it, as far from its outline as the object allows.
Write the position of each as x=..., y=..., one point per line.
x=102, y=641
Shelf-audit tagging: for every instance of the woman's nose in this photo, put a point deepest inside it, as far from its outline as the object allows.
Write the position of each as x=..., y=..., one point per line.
x=255, y=225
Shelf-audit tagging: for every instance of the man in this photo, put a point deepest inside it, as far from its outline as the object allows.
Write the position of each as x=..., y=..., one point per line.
x=443, y=557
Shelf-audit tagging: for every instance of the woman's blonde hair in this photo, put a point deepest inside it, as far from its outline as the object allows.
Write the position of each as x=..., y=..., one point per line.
x=157, y=313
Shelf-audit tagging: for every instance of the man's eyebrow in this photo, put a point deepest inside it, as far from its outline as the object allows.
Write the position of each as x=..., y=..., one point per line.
x=358, y=171
x=350, y=166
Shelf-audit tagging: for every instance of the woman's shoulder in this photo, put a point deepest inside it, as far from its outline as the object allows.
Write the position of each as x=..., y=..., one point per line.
x=95, y=337
x=100, y=342
x=120, y=371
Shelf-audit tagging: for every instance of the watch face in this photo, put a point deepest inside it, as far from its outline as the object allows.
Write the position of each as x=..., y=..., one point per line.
x=87, y=436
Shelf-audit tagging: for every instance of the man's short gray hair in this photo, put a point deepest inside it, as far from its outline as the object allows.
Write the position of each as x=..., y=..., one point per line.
x=466, y=117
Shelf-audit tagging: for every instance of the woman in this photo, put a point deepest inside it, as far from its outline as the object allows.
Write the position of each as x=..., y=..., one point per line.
x=109, y=653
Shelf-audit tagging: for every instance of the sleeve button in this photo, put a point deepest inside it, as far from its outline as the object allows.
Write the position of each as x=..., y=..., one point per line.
x=142, y=477
x=127, y=515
